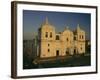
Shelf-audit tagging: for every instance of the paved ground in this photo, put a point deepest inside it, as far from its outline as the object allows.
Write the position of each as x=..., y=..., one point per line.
x=69, y=61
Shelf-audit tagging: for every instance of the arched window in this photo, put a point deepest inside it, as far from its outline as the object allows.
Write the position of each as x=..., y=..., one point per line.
x=50, y=34
x=67, y=39
x=82, y=37
x=48, y=50
x=46, y=34
x=81, y=48
x=48, y=44
x=57, y=37
x=74, y=37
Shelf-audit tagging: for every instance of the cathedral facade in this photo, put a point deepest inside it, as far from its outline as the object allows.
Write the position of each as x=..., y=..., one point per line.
x=53, y=44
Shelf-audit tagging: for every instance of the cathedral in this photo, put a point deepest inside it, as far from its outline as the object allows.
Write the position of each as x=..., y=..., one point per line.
x=53, y=44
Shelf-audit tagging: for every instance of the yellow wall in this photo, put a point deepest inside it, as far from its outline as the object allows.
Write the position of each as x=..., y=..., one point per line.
x=50, y=47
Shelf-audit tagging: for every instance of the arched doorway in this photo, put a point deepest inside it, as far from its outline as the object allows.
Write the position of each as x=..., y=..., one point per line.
x=57, y=52
x=67, y=51
x=75, y=51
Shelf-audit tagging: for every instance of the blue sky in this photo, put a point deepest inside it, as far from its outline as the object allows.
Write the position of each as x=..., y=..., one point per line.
x=33, y=19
